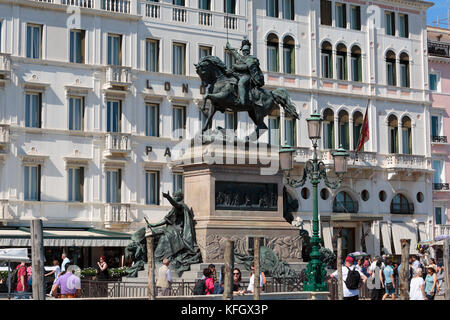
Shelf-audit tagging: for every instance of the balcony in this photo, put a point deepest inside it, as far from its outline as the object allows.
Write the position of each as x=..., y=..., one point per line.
x=404, y=161
x=116, y=215
x=118, y=77
x=4, y=137
x=441, y=187
x=441, y=230
x=4, y=211
x=438, y=49
x=117, y=145
x=439, y=139
x=5, y=66
x=122, y=6
x=205, y=19
x=79, y=3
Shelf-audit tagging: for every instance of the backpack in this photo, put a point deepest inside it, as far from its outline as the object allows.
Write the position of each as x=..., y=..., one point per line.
x=14, y=277
x=353, y=278
x=200, y=287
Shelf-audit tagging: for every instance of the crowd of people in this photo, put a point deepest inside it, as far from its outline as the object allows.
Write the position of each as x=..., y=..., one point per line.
x=382, y=275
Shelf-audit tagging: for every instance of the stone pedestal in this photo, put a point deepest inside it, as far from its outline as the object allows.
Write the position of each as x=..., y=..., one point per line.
x=237, y=201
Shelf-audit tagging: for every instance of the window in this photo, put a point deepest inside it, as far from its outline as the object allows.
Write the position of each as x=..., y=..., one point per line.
x=355, y=17
x=114, y=49
x=439, y=218
x=272, y=53
x=391, y=76
x=328, y=129
x=114, y=115
x=230, y=120
x=341, y=15
x=343, y=203
x=356, y=64
x=229, y=59
x=401, y=205
x=152, y=55
x=274, y=130
x=34, y=40
x=152, y=187
x=389, y=18
x=325, y=12
x=113, y=186
x=358, y=120
x=178, y=58
x=33, y=110
x=204, y=4
x=77, y=46
x=435, y=126
x=344, y=130
x=229, y=6
x=204, y=51
x=76, y=113
x=404, y=70
x=290, y=132
x=288, y=55
x=76, y=182
x=178, y=122
x=178, y=2
x=393, y=134
x=152, y=120
x=326, y=60
x=32, y=183
x=406, y=136
x=434, y=81
x=288, y=9
x=177, y=182
x=438, y=167
x=403, y=28
x=341, y=62
x=272, y=8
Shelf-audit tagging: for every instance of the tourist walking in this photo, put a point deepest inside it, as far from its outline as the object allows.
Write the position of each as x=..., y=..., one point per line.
x=417, y=290
x=68, y=283
x=102, y=269
x=56, y=271
x=389, y=281
x=375, y=283
x=65, y=260
x=431, y=284
x=349, y=278
x=164, y=281
x=22, y=280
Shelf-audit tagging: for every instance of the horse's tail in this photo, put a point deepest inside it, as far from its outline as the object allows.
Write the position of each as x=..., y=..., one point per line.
x=281, y=97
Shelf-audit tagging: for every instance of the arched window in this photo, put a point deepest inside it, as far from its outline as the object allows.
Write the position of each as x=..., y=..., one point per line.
x=356, y=64
x=404, y=70
x=288, y=55
x=358, y=120
x=401, y=205
x=328, y=129
x=272, y=53
x=343, y=203
x=406, y=136
x=341, y=62
x=391, y=75
x=393, y=134
x=343, y=130
x=327, y=60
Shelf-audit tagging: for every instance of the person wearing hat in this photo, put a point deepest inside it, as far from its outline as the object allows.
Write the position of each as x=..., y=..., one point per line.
x=349, y=294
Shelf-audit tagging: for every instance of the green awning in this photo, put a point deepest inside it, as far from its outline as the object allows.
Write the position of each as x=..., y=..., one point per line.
x=64, y=237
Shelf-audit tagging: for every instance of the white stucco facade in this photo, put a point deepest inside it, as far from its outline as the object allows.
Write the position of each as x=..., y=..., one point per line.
x=56, y=148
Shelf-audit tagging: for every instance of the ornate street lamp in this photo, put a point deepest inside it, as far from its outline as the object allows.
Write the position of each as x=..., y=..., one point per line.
x=315, y=169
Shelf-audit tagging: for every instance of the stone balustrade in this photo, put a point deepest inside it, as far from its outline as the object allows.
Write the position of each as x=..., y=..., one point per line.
x=116, y=213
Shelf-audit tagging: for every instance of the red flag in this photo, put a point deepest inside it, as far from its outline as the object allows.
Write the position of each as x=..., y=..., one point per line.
x=364, y=134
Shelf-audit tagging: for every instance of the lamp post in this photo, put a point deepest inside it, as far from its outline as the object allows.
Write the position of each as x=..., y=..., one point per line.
x=315, y=170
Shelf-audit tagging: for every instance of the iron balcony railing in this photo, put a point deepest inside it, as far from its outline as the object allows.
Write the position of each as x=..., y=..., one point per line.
x=441, y=186
x=439, y=139
x=402, y=208
x=439, y=49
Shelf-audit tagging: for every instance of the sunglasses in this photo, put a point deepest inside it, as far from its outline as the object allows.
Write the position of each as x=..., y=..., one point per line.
x=236, y=273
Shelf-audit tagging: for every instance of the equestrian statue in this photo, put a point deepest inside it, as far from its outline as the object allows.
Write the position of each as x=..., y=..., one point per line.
x=240, y=89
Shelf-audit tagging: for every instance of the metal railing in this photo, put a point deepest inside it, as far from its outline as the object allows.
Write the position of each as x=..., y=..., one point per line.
x=440, y=49
x=364, y=292
x=439, y=139
x=441, y=186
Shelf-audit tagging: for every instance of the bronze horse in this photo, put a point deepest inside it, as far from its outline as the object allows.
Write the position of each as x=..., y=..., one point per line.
x=223, y=94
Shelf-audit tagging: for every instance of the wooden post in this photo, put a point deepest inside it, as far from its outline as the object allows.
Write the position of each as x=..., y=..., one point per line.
x=256, y=287
x=339, y=266
x=37, y=259
x=447, y=268
x=404, y=272
x=151, y=269
x=228, y=270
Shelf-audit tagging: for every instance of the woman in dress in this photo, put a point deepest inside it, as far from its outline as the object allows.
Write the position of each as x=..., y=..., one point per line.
x=431, y=284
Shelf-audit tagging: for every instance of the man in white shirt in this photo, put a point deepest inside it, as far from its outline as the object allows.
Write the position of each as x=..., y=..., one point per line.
x=416, y=263
x=349, y=294
x=251, y=284
x=164, y=281
x=64, y=262
x=374, y=264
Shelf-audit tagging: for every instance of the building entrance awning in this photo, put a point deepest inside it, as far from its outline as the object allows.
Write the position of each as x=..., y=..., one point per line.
x=64, y=237
x=354, y=217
